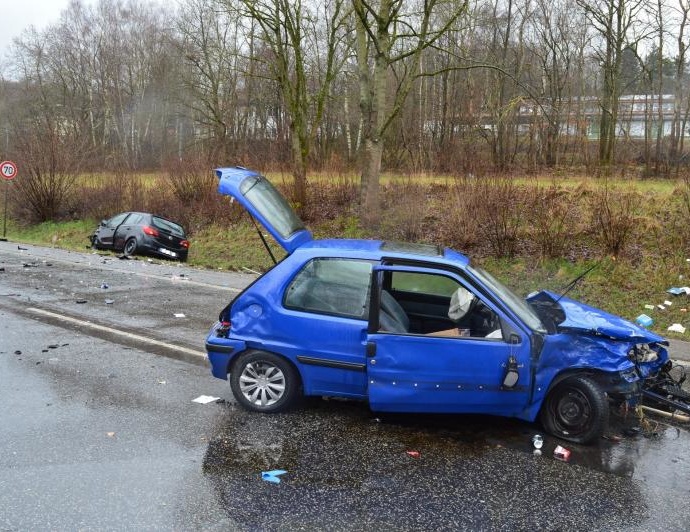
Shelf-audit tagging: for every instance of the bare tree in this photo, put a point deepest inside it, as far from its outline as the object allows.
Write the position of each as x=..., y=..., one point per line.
x=614, y=21
x=390, y=42
x=210, y=44
x=304, y=40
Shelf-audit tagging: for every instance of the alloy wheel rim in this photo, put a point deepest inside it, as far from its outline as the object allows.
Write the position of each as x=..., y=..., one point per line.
x=262, y=384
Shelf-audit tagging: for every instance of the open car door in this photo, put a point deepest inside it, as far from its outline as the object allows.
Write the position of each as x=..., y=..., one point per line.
x=256, y=194
x=418, y=364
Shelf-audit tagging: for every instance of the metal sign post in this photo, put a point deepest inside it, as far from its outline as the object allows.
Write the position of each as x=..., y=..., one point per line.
x=8, y=171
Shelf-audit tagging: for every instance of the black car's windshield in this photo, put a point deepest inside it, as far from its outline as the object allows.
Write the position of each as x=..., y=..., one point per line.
x=518, y=305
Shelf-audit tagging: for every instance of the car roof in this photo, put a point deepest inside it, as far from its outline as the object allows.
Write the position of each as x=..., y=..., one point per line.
x=378, y=249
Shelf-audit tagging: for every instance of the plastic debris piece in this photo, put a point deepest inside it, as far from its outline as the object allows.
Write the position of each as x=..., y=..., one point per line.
x=683, y=310
x=22, y=249
x=2, y=269
x=413, y=454
x=537, y=441
x=677, y=327
x=17, y=352
x=109, y=301
x=561, y=453
x=272, y=476
x=668, y=303
x=676, y=291
x=649, y=307
x=644, y=320
x=104, y=286
x=179, y=315
x=53, y=346
x=205, y=399
x=661, y=307
x=110, y=434
x=162, y=382
x=81, y=301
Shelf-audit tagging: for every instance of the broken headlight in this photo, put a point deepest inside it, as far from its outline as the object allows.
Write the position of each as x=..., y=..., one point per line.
x=643, y=353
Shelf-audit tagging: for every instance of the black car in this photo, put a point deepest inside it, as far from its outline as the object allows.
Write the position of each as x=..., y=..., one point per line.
x=142, y=233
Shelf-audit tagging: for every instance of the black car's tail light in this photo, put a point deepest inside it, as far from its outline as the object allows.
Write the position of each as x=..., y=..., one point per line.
x=184, y=244
x=150, y=231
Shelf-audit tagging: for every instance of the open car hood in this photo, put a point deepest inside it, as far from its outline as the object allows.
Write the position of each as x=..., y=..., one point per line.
x=576, y=316
x=256, y=194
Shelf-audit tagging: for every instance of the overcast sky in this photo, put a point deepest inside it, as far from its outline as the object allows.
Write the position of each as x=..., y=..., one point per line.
x=17, y=15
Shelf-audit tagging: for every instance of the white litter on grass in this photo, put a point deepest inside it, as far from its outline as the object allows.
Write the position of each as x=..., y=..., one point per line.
x=205, y=399
x=668, y=303
x=649, y=307
x=677, y=327
x=179, y=315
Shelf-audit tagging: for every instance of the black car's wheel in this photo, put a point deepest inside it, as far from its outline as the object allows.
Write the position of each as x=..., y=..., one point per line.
x=264, y=382
x=130, y=247
x=576, y=410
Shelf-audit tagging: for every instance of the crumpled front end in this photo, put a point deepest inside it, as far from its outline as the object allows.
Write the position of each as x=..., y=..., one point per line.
x=617, y=354
x=619, y=367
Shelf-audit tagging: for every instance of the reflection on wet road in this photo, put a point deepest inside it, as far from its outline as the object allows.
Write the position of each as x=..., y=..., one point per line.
x=349, y=470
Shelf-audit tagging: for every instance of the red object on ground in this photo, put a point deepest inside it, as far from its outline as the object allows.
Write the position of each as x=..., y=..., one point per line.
x=413, y=454
x=561, y=453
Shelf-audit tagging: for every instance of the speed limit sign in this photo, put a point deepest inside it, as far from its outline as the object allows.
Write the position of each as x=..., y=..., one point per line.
x=8, y=170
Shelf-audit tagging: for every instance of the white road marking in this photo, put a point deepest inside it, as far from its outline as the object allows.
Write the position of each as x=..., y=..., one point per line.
x=117, y=332
x=90, y=264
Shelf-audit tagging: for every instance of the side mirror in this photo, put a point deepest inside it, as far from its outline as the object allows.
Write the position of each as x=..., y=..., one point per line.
x=514, y=339
x=103, y=223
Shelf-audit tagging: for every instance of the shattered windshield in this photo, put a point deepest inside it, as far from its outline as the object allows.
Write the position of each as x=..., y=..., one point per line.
x=518, y=305
x=271, y=205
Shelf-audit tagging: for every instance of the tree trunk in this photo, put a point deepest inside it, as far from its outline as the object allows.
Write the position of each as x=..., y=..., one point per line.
x=371, y=169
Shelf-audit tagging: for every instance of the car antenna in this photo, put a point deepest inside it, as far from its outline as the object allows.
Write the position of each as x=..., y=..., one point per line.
x=263, y=239
x=567, y=288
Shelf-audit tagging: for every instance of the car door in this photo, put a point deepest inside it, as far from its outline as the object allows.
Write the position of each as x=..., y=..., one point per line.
x=442, y=371
x=107, y=230
x=128, y=227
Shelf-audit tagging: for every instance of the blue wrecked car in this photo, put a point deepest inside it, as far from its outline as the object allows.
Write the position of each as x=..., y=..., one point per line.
x=416, y=328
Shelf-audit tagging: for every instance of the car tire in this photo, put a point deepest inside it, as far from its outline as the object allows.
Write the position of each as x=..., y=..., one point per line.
x=264, y=382
x=130, y=247
x=576, y=410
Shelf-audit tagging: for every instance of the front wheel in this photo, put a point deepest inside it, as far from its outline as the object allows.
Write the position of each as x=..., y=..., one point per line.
x=576, y=410
x=264, y=382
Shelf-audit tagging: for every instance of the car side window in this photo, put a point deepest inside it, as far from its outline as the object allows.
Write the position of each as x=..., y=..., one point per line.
x=134, y=219
x=117, y=220
x=331, y=286
x=436, y=305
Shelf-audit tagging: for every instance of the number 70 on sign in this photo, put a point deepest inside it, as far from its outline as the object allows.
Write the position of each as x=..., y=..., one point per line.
x=8, y=169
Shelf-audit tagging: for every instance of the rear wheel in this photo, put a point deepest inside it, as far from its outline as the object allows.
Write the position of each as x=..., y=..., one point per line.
x=130, y=247
x=576, y=410
x=264, y=382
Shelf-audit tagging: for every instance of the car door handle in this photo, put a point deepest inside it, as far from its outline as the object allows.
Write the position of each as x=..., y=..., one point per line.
x=371, y=349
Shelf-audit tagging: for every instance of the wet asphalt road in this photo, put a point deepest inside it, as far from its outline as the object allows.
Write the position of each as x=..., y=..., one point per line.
x=100, y=431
